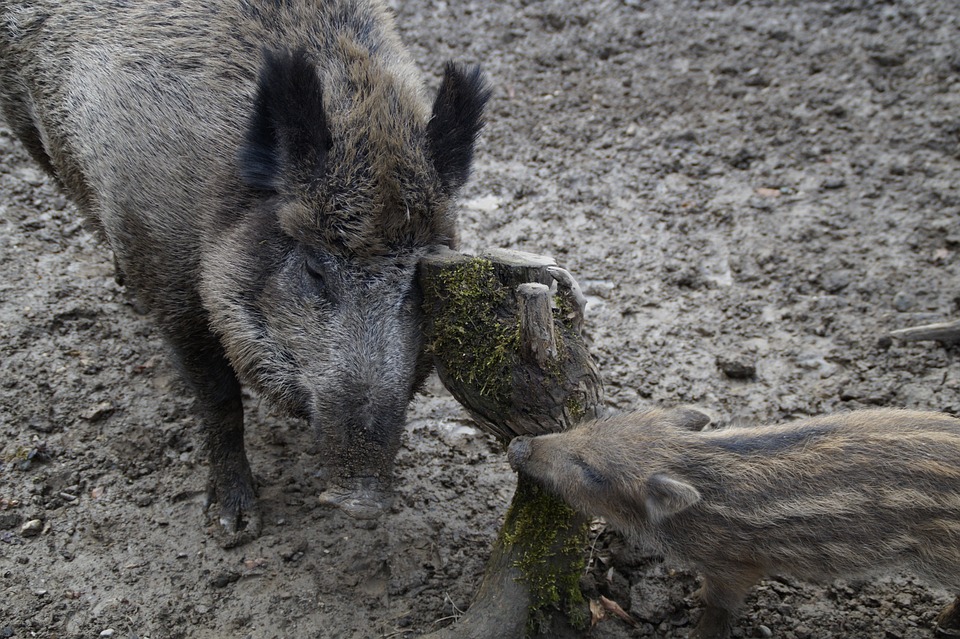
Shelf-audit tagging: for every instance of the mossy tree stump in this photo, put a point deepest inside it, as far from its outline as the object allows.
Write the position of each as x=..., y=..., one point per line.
x=504, y=328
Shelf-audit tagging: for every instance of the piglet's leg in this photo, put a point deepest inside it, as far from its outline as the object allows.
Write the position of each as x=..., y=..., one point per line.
x=722, y=596
x=948, y=621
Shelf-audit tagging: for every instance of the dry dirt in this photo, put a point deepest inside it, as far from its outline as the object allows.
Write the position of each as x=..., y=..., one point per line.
x=762, y=184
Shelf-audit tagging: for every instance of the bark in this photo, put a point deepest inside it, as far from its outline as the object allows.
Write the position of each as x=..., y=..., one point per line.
x=505, y=332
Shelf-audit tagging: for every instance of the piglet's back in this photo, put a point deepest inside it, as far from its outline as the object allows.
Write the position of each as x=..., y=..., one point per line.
x=846, y=494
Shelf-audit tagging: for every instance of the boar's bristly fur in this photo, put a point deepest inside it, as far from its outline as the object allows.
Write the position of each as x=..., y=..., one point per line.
x=268, y=175
x=840, y=496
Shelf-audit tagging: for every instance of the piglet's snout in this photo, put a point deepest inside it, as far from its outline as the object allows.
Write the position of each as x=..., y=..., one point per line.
x=518, y=452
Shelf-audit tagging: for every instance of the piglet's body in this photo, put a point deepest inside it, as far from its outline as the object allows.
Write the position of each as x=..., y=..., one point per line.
x=841, y=496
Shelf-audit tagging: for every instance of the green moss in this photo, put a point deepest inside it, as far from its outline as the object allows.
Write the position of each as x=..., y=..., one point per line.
x=562, y=310
x=575, y=407
x=473, y=344
x=549, y=538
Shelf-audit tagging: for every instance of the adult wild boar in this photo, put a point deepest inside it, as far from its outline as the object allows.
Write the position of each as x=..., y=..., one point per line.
x=841, y=496
x=267, y=174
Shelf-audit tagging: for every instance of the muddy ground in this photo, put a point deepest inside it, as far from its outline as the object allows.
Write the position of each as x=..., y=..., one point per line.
x=757, y=184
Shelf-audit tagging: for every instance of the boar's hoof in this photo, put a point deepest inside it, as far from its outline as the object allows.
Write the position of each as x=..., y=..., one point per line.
x=238, y=519
x=361, y=499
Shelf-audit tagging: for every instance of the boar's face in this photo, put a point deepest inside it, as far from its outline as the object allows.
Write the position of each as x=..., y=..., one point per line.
x=619, y=467
x=312, y=286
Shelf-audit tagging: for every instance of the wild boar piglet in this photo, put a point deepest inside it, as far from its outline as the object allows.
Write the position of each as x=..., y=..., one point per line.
x=848, y=495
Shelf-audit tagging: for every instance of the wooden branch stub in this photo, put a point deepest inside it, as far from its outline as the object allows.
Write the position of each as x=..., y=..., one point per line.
x=520, y=367
x=518, y=267
x=573, y=301
x=947, y=332
x=537, y=339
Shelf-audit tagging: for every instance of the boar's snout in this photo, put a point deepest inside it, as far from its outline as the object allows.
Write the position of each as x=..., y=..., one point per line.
x=518, y=452
x=360, y=498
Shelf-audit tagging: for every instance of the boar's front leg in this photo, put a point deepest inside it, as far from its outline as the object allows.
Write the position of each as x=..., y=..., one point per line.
x=219, y=404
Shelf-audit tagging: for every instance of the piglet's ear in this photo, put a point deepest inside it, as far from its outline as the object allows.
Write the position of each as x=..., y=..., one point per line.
x=287, y=139
x=456, y=123
x=667, y=497
x=691, y=417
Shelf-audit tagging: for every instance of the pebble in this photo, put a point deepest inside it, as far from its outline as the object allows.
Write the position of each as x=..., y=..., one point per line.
x=97, y=412
x=764, y=631
x=736, y=368
x=107, y=633
x=835, y=281
x=903, y=301
x=224, y=579
x=32, y=528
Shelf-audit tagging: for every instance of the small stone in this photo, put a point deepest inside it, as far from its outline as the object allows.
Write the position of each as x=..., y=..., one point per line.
x=293, y=553
x=224, y=579
x=143, y=500
x=736, y=368
x=888, y=60
x=903, y=301
x=833, y=184
x=32, y=528
x=835, y=281
x=764, y=631
x=107, y=633
x=98, y=412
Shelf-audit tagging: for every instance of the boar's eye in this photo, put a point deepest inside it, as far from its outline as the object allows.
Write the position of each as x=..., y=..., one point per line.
x=317, y=275
x=590, y=473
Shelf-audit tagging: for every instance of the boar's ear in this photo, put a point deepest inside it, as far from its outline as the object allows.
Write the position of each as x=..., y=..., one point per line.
x=288, y=137
x=667, y=496
x=456, y=123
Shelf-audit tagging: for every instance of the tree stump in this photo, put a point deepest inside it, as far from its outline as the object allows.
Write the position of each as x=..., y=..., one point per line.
x=505, y=332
